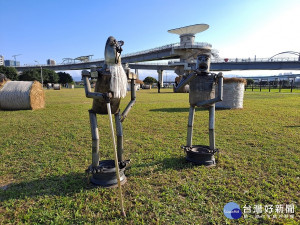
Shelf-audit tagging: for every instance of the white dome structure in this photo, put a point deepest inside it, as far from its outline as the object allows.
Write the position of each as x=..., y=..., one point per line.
x=187, y=33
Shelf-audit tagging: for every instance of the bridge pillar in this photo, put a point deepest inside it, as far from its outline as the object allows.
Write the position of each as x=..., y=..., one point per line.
x=137, y=73
x=160, y=77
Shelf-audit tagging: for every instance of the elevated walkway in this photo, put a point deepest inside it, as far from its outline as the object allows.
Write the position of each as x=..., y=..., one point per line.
x=140, y=60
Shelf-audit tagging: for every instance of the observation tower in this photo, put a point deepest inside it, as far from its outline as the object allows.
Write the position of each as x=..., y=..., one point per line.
x=187, y=33
x=188, y=49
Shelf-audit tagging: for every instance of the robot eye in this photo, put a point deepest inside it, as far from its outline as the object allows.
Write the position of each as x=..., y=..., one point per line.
x=113, y=42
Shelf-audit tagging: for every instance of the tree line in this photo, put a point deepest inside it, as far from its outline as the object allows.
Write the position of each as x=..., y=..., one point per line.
x=49, y=76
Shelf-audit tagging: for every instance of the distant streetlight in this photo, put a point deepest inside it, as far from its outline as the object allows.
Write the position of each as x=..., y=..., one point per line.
x=41, y=72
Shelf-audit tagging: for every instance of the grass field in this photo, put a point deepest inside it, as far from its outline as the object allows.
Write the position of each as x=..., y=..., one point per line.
x=44, y=155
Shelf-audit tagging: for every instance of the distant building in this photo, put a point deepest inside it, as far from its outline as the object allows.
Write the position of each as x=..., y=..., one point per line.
x=1, y=60
x=11, y=63
x=51, y=62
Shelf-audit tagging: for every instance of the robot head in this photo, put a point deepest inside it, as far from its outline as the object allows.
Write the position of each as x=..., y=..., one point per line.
x=113, y=51
x=203, y=62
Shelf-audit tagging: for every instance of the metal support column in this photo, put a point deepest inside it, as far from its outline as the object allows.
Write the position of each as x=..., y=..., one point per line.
x=137, y=73
x=212, y=145
x=119, y=130
x=95, y=139
x=160, y=77
x=190, y=126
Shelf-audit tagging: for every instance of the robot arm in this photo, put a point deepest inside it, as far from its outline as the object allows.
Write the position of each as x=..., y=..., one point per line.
x=132, y=78
x=220, y=93
x=185, y=81
x=87, y=86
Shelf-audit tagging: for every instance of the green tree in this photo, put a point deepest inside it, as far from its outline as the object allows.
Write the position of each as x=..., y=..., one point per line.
x=10, y=72
x=149, y=80
x=250, y=81
x=64, y=78
x=285, y=83
x=31, y=75
x=49, y=76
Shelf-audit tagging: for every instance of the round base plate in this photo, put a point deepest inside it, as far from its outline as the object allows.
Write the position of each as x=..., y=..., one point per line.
x=107, y=176
x=200, y=155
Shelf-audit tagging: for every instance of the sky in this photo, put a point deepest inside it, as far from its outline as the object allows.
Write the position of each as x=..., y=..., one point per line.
x=57, y=29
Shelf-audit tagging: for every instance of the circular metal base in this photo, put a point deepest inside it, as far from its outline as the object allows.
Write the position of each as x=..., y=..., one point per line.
x=200, y=155
x=106, y=174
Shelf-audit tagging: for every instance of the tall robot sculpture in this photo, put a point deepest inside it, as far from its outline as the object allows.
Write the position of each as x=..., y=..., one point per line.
x=110, y=87
x=202, y=94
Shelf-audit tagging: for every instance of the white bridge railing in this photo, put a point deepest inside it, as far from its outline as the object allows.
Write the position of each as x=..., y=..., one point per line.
x=238, y=60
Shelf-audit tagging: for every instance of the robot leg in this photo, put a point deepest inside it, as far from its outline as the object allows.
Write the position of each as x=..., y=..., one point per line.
x=95, y=139
x=190, y=126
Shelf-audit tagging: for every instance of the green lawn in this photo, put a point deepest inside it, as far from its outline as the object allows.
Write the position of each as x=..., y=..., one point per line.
x=44, y=154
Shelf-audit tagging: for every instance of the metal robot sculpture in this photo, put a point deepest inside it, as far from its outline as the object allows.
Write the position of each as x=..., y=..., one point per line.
x=202, y=94
x=110, y=87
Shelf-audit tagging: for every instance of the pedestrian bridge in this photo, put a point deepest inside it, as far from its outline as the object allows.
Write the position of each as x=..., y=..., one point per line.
x=167, y=53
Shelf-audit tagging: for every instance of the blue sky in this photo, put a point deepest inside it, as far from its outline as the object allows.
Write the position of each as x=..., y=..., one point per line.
x=57, y=29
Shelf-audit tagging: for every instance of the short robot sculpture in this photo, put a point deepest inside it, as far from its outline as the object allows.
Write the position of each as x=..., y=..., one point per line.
x=202, y=94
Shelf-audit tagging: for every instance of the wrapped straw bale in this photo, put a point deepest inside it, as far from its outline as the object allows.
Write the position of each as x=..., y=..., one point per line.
x=233, y=94
x=17, y=95
x=71, y=86
x=56, y=86
x=185, y=89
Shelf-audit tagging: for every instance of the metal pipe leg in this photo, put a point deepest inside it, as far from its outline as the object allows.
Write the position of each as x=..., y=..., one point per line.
x=212, y=127
x=119, y=130
x=190, y=126
x=95, y=139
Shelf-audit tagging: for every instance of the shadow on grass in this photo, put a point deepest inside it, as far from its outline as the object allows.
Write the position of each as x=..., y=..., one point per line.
x=170, y=110
x=55, y=185
x=291, y=126
x=72, y=183
x=173, y=110
x=162, y=92
x=178, y=164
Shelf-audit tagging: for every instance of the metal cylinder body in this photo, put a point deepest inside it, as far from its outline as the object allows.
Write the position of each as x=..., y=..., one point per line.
x=103, y=86
x=202, y=88
x=95, y=139
x=212, y=144
x=190, y=126
x=119, y=131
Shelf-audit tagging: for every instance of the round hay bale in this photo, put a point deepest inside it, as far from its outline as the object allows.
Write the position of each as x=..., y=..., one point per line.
x=49, y=86
x=17, y=95
x=147, y=86
x=71, y=86
x=233, y=94
x=185, y=89
x=56, y=87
